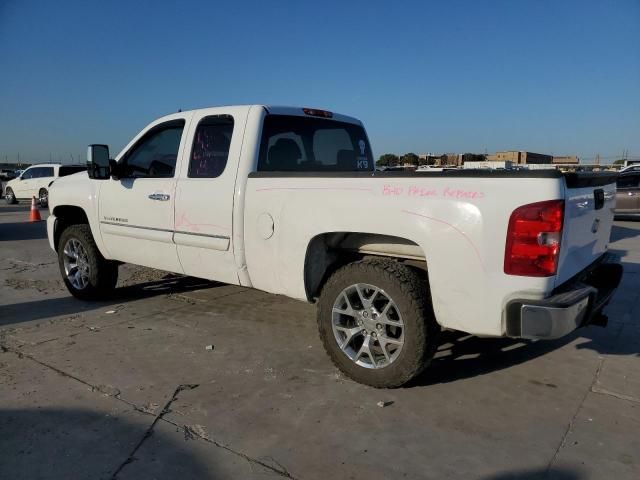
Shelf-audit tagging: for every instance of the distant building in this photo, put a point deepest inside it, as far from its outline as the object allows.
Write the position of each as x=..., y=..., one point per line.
x=473, y=157
x=520, y=157
x=566, y=159
x=451, y=159
x=489, y=165
x=428, y=159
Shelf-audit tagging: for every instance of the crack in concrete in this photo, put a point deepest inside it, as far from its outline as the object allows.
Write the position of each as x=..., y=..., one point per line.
x=149, y=432
x=569, y=429
x=281, y=471
x=620, y=396
x=593, y=388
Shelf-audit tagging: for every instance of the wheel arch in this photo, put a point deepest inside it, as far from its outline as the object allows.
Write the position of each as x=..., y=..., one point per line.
x=67, y=215
x=329, y=251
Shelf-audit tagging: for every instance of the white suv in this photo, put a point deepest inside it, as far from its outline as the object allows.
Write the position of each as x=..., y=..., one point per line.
x=35, y=182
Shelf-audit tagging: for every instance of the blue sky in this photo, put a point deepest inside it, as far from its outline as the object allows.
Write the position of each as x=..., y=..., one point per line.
x=558, y=77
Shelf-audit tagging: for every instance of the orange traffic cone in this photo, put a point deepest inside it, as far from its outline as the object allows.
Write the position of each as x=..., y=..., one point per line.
x=34, y=215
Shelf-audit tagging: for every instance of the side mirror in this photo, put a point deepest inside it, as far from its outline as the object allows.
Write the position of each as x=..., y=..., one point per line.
x=98, y=162
x=114, y=169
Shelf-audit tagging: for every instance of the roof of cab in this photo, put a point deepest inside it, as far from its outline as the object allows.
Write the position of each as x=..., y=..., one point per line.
x=279, y=110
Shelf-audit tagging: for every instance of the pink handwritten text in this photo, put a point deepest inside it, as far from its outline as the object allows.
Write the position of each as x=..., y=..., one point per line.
x=418, y=191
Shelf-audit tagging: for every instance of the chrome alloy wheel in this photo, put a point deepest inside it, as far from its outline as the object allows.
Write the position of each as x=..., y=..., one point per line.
x=76, y=264
x=368, y=326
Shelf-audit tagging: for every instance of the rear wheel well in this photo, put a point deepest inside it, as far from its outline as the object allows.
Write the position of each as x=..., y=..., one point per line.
x=67, y=215
x=327, y=252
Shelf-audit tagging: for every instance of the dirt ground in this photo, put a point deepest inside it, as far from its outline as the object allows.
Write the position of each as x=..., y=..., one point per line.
x=182, y=378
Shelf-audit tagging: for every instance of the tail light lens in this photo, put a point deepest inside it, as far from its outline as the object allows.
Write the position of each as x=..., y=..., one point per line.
x=533, y=239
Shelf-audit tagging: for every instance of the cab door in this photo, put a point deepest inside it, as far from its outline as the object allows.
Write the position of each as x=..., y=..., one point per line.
x=628, y=193
x=205, y=194
x=136, y=210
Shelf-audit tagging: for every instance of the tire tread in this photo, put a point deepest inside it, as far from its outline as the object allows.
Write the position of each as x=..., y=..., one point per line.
x=415, y=291
x=104, y=273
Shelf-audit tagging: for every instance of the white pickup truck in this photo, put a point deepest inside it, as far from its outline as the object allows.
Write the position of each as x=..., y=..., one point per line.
x=287, y=200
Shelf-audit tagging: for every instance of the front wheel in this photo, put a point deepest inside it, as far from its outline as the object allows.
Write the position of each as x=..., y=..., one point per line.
x=9, y=196
x=377, y=324
x=86, y=273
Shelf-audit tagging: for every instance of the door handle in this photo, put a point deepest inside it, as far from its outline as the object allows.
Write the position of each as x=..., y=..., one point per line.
x=163, y=197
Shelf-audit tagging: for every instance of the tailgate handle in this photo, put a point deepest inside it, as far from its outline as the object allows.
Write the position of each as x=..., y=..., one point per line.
x=598, y=195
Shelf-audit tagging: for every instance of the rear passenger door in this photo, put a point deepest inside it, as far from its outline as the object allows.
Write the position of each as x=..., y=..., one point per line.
x=205, y=194
x=628, y=193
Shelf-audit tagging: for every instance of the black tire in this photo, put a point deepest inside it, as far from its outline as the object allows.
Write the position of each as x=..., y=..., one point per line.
x=410, y=294
x=43, y=198
x=10, y=197
x=102, y=274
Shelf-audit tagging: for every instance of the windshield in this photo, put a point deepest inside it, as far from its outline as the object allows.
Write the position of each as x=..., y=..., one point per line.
x=293, y=143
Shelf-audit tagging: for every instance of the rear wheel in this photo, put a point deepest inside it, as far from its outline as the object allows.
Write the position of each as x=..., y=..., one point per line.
x=9, y=196
x=376, y=323
x=86, y=273
x=43, y=197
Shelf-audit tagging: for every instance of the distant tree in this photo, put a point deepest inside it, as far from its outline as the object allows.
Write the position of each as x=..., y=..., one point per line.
x=410, y=158
x=619, y=162
x=387, y=160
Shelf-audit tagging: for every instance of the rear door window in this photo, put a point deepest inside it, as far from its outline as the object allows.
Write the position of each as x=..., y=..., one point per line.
x=307, y=144
x=211, y=147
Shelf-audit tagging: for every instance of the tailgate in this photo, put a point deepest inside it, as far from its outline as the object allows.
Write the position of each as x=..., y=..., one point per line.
x=589, y=206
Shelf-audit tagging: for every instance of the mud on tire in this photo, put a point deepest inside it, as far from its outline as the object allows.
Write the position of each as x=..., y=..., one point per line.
x=409, y=293
x=101, y=274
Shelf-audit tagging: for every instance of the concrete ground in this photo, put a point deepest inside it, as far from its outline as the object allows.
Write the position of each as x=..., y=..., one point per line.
x=127, y=389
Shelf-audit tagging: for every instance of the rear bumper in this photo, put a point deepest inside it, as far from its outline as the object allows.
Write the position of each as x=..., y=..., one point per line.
x=575, y=304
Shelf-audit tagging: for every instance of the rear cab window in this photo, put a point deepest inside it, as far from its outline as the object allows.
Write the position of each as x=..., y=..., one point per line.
x=293, y=143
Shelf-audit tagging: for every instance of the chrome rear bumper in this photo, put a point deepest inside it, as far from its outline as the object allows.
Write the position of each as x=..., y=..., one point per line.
x=575, y=304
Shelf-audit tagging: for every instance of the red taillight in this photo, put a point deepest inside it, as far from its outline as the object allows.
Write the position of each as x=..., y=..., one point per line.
x=533, y=239
x=314, y=112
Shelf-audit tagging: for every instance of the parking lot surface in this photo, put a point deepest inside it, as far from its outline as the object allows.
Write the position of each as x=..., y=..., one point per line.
x=182, y=378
